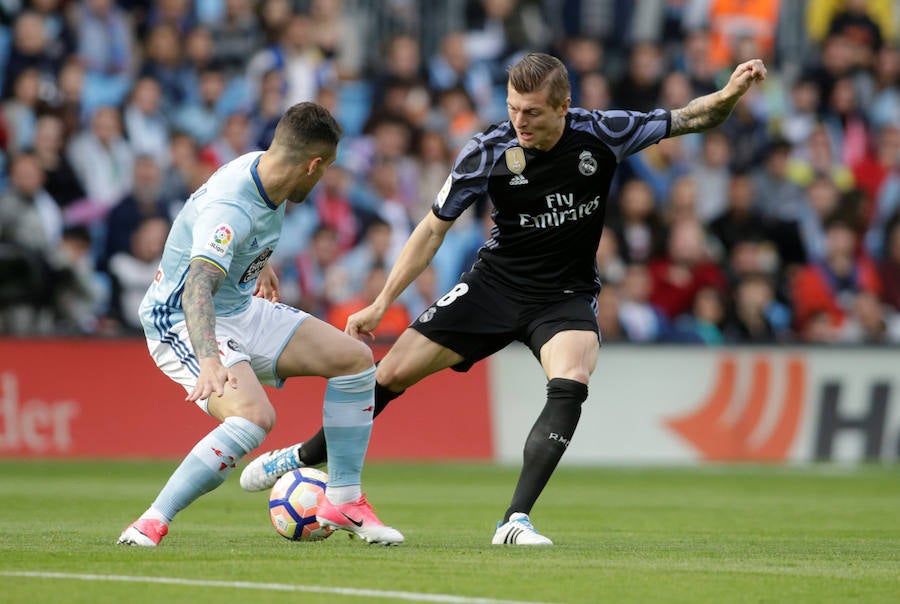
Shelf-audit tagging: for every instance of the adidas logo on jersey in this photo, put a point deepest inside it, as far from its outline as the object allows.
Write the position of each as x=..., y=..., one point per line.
x=518, y=179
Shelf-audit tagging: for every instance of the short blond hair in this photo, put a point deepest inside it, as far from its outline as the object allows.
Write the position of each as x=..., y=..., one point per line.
x=537, y=71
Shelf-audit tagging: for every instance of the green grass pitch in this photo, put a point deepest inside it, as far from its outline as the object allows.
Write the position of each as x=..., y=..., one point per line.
x=717, y=534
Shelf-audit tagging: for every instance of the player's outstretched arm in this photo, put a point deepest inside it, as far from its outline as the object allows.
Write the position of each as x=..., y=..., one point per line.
x=709, y=111
x=415, y=256
x=200, y=285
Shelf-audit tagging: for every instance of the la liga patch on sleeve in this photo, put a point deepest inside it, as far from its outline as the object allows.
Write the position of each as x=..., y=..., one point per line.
x=221, y=238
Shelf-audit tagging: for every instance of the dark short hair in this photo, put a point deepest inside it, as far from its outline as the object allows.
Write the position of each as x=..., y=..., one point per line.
x=307, y=129
x=537, y=71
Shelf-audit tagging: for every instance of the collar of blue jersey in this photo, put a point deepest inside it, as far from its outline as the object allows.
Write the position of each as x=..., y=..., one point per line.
x=259, y=187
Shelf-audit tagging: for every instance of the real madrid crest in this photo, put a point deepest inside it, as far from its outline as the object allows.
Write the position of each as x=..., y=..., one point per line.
x=587, y=165
x=515, y=159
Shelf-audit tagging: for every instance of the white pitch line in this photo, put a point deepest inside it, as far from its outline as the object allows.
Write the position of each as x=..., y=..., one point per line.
x=343, y=591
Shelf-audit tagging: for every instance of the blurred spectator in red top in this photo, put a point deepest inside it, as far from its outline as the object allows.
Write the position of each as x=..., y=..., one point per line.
x=871, y=171
x=823, y=292
x=395, y=320
x=335, y=209
x=679, y=277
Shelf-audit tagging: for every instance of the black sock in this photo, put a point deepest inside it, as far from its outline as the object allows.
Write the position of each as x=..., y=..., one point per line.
x=313, y=451
x=547, y=441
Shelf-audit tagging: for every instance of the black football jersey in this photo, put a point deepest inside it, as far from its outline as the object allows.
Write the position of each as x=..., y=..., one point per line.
x=548, y=206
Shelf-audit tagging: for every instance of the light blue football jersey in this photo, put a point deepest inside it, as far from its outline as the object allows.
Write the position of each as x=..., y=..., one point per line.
x=229, y=222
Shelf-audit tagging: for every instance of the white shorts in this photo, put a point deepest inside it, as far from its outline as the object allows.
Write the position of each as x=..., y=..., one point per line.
x=257, y=335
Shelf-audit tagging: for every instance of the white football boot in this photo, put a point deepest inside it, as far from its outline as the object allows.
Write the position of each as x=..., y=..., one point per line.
x=518, y=531
x=265, y=470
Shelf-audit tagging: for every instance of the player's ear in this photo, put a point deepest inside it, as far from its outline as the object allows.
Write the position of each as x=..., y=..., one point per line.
x=313, y=165
x=564, y=107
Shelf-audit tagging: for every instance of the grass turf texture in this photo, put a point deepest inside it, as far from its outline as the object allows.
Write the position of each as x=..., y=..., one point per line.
x=712, y=534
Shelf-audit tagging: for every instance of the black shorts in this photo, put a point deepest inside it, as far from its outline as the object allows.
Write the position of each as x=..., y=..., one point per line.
x=476, y=319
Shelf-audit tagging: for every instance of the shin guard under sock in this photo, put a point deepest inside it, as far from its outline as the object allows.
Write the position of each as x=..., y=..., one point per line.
x=208, y=464
x=313, y=451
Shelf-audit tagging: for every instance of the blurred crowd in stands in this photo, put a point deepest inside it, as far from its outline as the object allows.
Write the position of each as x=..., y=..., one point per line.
x=782, y=225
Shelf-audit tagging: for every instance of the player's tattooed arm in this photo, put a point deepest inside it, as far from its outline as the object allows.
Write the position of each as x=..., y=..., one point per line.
x=702, y=113
x=709, y=111
x=200, y=285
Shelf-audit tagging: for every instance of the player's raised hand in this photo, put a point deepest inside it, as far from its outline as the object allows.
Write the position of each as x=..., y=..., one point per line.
x=267, y=284
x=744, y=75
x=362, y=323
x=212, y=380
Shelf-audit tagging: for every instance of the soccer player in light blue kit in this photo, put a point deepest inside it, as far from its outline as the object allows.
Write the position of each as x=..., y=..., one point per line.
x=207, y=331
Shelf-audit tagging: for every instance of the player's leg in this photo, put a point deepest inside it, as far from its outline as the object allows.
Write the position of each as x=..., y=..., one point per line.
x=468, y=323
x=245, y=411
x=412, y=358
x=246, y=415
x=568, y=359
x=317, y=348
x=312, y=452
x=262, y=472
x=450, y=333
x=345, y=356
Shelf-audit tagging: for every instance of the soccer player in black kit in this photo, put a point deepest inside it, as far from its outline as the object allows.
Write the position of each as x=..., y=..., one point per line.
x=547, y=171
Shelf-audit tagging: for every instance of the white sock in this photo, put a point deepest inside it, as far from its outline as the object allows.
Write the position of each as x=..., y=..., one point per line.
x=155, y=514
x=342, y=495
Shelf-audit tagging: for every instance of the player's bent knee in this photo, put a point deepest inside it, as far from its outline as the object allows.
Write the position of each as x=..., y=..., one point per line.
x=266, y=421
x=358, y=358
x=261, y=414
x=567, y=391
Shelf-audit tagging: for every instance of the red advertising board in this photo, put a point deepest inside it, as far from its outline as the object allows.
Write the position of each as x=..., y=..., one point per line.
x=106, y=398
